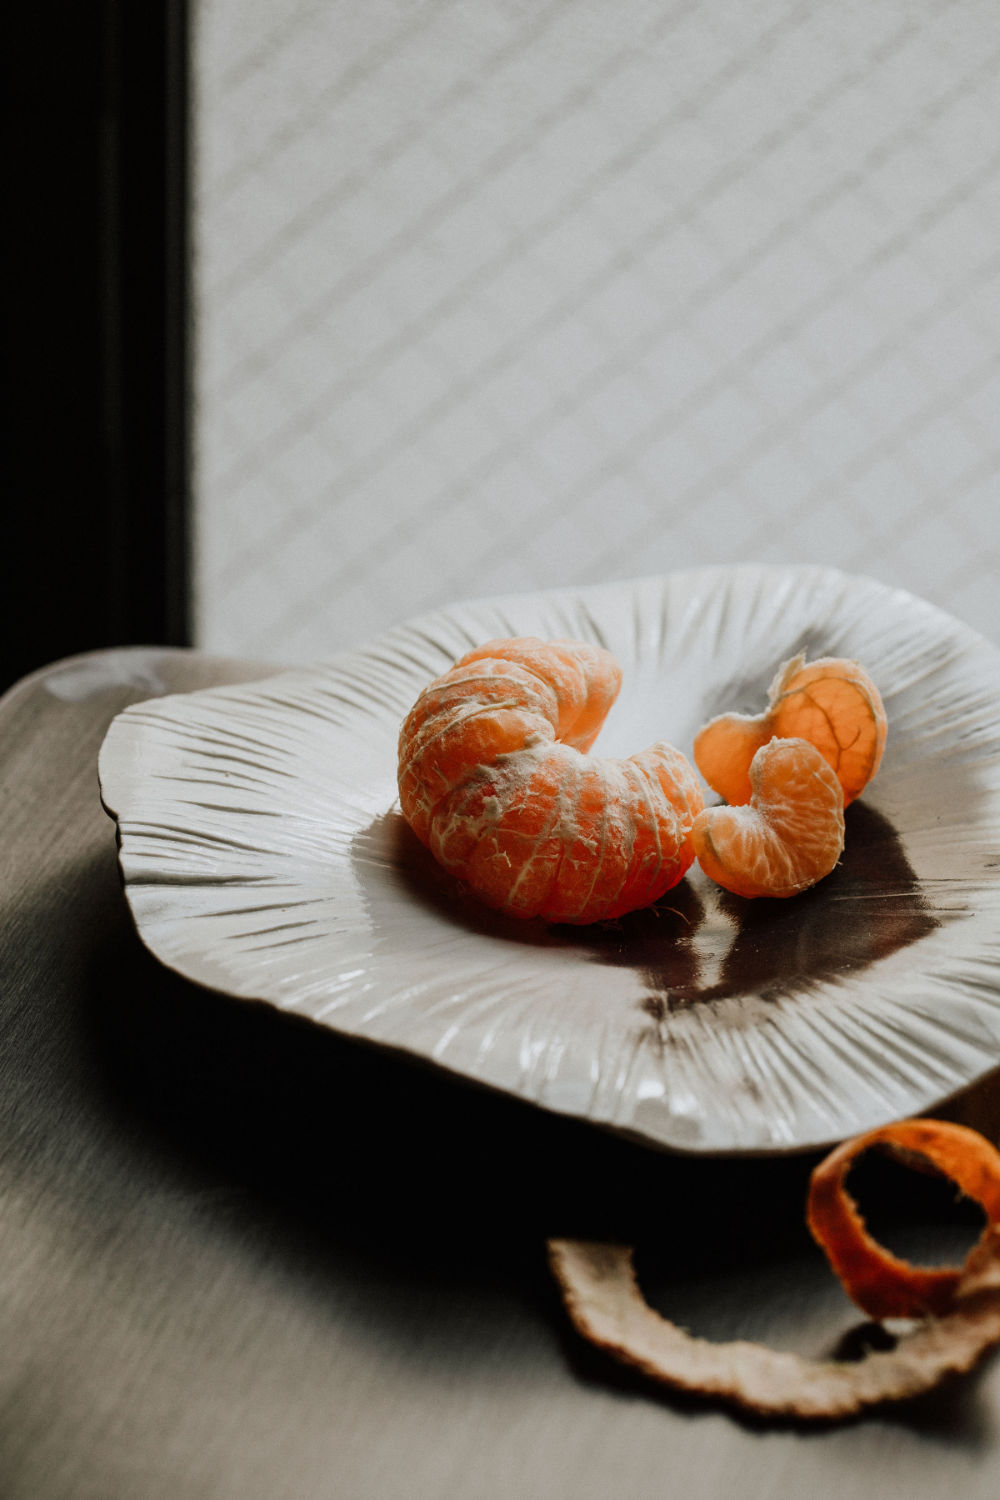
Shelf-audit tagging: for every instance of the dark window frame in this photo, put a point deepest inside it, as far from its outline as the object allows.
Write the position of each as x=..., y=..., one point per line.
x=95, y=540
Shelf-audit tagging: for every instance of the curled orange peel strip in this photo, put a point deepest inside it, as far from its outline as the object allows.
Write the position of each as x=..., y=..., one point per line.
x=957, y=1311
x=883, y=1285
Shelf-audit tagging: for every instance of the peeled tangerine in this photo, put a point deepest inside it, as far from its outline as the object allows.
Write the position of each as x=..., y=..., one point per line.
x=832, y=703
x=786, y=836
x=494, y=778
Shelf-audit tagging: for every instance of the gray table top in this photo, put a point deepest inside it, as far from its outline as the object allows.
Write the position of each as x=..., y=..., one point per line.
x=223, y=1274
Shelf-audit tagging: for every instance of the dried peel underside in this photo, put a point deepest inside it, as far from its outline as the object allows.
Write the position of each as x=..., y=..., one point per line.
x=958, y=1307
x=606, y=1306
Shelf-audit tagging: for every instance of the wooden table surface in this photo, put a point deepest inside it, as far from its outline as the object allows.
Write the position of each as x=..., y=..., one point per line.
x=222, y=1273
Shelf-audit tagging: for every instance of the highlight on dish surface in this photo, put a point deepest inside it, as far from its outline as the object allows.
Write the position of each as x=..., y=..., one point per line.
x=957, y=1309
x=494, y=778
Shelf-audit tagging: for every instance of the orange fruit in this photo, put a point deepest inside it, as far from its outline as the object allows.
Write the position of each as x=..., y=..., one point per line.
x=788, y=835
x=494, y=778
x=832, y=703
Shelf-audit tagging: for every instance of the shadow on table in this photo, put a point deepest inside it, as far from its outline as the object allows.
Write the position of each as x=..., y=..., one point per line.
x=344, y=1149
x=390, y=1151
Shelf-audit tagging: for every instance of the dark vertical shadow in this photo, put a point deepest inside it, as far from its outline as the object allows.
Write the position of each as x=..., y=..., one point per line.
x=96, y=305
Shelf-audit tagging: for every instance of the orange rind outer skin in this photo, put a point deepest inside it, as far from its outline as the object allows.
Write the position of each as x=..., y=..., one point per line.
x=787, y=837
x=880, y=1283
x=832, y=702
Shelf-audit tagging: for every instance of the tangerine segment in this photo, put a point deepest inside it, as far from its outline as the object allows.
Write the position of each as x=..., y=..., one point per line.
x=882, y=1284
x=495, y=700
x=585, y=680
x=789, y=835
x=494, y=779
x=832, y=703
x=570, y=837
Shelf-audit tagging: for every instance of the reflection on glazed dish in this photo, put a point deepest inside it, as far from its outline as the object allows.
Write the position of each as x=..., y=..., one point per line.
x=701, y=944
x=264, y=855
x=695, y=950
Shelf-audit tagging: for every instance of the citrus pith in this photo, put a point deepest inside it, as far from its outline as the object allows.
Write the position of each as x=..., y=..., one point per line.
x=494, y=779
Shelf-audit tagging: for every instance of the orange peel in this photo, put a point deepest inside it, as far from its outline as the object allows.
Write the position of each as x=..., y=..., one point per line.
x=883, y=1285
x=958, y=1318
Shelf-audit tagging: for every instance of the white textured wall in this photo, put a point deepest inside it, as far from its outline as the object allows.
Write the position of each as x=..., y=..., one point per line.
x=495, y=295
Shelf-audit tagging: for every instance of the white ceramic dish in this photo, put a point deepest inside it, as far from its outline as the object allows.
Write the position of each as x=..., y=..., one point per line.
x=264, y=855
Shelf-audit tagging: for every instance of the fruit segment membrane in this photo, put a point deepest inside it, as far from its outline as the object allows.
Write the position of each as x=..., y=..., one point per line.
x=494, y=778
x=787, y=836
x=832, y=703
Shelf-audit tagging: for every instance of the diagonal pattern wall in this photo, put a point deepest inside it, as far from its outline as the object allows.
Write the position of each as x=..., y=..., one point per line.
x=496, y=296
